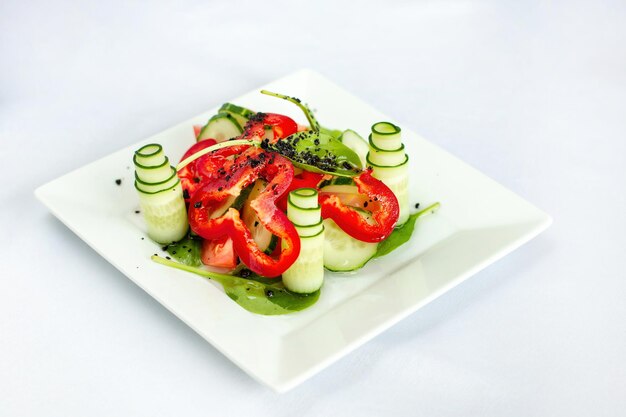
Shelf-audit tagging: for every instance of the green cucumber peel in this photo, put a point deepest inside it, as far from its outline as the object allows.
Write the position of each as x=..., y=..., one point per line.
x=402, y=234
x=261, y=296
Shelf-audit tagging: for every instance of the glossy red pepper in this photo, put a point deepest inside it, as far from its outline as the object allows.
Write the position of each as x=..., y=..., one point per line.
x=207, y=219
x=207, y=167
x=382, y=203
x=271, y=125
x=305, y=179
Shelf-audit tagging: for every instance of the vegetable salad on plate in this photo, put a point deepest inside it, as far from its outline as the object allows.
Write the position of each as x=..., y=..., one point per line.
x=264, y=206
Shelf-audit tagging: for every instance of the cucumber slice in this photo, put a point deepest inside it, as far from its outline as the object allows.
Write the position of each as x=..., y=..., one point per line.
x=241, y=114
x=152, y=173
x=165, y=214
x=342, y=252
x=306, y=275
x=264, y=239
x=150, y=155
x=355, y=142
x=386, y=136
x=305, y=198
x=397, y=179
x=385, y=157
x=302, y=216
x=160, y=195
x=220, y=127
x=311, y=230
x=152, y=187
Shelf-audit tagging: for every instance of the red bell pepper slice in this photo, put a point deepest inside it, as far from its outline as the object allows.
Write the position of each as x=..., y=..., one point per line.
x=305, y=179
x=207, y=167
x=206, y=203
x=280, y=125
x=382, y=203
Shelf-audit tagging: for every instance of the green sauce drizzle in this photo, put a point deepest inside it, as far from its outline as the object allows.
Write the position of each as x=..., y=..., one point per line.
x=186, y=250
x=261, y=296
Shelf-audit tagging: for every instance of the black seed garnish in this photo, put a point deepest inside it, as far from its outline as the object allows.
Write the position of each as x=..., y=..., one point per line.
x=197, y=204
x=164, y=247
x=173, y=252
x=256, y=224
x=185, y=194
x=142, y=238
x=220, y=188
x=365, y=204
x=417, y=205
x=118, y=181
x=375, y=198
x=245, y=273
x=168, y=258
x=189, y=250
x=269, y=293
x=156, y=254
x=137, y=212
x=196, y=180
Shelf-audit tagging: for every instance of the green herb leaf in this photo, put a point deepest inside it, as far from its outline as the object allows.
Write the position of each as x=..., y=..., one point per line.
x=318, y=152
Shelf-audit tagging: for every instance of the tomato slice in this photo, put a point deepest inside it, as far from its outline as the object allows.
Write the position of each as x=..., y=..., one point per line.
x=219, y=253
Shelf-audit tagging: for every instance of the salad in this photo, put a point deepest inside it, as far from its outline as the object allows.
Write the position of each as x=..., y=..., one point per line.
x=264, y=206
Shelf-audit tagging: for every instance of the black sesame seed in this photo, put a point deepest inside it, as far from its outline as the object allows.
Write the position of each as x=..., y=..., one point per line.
x=118, y=181
x=365, y=204
x=417, y=205
x=269, y=293
x=168, y=258
x=137, y=212
x=196, y=180
x=185, y=194
x=245, y=273
x=197, y=204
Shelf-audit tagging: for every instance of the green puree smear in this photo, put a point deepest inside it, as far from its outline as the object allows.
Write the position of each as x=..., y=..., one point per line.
x=186, y=251
x=268, y=296
x=257, y=295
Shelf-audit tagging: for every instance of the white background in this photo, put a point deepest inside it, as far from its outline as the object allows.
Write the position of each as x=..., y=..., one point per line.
x=531, y=93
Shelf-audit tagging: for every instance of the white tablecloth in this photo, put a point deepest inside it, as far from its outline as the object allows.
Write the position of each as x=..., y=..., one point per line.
x=531, y=93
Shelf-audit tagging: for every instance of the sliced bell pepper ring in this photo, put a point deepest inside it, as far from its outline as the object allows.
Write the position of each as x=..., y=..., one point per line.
x=272, y=126
x=382, y=203
x=207, y=221
x=189, y=179
x=206, y=167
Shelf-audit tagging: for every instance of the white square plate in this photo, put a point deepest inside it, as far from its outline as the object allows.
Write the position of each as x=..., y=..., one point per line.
x=479, y=222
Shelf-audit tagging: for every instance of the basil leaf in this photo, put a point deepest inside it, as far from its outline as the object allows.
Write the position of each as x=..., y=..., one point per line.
x=318, y=152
